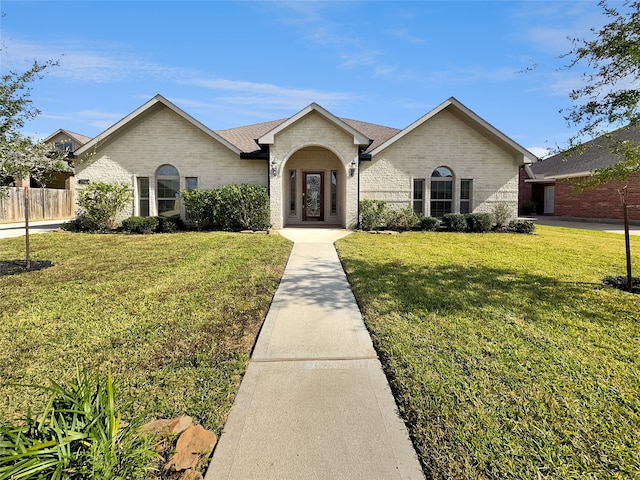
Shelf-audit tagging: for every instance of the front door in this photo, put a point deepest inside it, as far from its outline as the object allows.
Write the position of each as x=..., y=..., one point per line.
x=549, y=199
x=313, y=196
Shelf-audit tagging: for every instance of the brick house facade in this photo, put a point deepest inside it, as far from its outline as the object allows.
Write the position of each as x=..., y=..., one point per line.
x=316, y=166
x=548, y=184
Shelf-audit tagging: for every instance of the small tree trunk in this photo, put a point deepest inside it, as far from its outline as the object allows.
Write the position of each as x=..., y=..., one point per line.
x=26, y=226
x=627, y=244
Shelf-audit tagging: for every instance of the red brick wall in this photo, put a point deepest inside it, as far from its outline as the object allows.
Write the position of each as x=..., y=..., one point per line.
x=599, y=202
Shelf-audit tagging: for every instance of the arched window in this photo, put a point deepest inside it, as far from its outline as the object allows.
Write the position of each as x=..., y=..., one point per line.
x=441, y=192
x=168, y=190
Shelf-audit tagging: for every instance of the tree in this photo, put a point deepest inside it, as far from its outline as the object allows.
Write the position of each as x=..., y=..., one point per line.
x=610, y=98
x=20, y=156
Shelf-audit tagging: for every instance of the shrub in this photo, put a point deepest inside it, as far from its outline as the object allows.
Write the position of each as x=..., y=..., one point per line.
x=79, y=435
x=79, y=224
x=170, y=224
x=201, y=207
x=243, y=207
x=455, y=222
x=232, y=207
x=102, y=203
x=372, y=214
x=430, y=224
x=401, y=219
x=140, y=224
x=502, y=214
x=529, y=208
x=479, y=222
x=521, y=226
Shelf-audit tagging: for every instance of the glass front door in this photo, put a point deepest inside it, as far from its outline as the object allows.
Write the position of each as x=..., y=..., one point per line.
x=313, y=196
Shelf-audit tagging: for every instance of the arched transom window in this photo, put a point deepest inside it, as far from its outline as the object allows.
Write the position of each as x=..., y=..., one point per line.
x=168, y=190
x=441, y=192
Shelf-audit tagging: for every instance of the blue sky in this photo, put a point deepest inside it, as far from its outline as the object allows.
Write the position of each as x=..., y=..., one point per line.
x=230, y=64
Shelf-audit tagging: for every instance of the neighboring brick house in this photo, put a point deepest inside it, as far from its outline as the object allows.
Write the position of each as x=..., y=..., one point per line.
x=316, y=166
x=548, y=184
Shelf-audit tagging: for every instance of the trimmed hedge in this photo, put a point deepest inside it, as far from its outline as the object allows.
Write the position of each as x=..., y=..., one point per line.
x=146, y=225
x=140, y=224
x=429, y=224
x=479, y=222
x=521, y=226
x=455, y=222
x=230, y=208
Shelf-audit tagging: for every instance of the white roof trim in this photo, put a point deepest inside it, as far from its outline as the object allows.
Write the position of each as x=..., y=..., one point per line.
x=553, y=178
x=158, y=99
x=358, y=138
x=527, y=156
x=68, y=134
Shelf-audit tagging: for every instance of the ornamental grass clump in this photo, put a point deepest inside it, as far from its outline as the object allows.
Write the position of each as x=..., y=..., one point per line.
x=78, y=435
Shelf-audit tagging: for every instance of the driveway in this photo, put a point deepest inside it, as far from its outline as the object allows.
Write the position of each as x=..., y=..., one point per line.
x=599, y=226
x=8, y=230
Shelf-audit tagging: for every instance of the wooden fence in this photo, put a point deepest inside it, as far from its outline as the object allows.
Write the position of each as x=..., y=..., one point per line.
x=44, y=203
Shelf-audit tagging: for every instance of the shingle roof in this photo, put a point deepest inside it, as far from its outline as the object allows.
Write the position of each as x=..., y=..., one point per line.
x=595, y=155
x=245, y=137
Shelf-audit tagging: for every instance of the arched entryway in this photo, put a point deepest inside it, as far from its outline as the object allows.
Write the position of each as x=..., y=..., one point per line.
x=314, y=188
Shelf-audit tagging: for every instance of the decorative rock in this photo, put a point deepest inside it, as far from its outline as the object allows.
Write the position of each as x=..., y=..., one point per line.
x=180, y=424
x=163, y=426
x=194, y=443
x=191, y=475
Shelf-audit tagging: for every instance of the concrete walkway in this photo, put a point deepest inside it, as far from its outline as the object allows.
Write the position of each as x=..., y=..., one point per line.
x=314, y=402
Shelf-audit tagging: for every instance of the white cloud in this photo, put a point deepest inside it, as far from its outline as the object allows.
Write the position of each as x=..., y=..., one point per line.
x=540, y=152
x=268, y=95
x=100, y=63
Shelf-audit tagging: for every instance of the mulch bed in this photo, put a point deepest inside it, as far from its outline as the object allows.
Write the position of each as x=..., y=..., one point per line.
x=15, y=267
x=622, y=284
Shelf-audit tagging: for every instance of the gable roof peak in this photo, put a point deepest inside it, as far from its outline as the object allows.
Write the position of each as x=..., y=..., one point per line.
x=470, y=117
x=358, y=137
x=156, y=100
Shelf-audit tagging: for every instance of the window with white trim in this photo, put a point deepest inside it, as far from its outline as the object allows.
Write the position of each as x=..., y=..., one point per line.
x=465, y=195
x=168, y=190
x=441, y=192
x=418, y=196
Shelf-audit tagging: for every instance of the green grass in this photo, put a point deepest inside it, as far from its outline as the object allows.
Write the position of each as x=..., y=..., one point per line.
x=507, y=355
x=172, y=317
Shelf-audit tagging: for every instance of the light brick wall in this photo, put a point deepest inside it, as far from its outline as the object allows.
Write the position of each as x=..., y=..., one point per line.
x=444, y=140
x=313, y=130
x=163, y=137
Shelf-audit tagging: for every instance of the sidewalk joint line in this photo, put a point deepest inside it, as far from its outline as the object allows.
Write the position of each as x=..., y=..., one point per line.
x=311, y=359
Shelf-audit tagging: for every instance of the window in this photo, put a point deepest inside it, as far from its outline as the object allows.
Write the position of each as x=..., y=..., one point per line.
x=143, y=196
x=191, y=183
x=168, y=190
x=418, y=196
x=64, y=146
x=441, y=192
x=334, y=192
x=292, y=192
x=465, y=196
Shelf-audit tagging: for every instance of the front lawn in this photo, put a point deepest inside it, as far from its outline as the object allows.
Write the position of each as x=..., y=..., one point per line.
x=173, y=317
x=507, y=355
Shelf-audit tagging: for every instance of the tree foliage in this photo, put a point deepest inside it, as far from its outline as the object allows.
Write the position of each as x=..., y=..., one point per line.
x=609, y=98
x=610, y=95
x=21, y=156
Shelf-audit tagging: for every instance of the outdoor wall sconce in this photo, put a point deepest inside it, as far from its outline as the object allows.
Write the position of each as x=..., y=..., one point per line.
x=274, y=167
x=352, y=167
